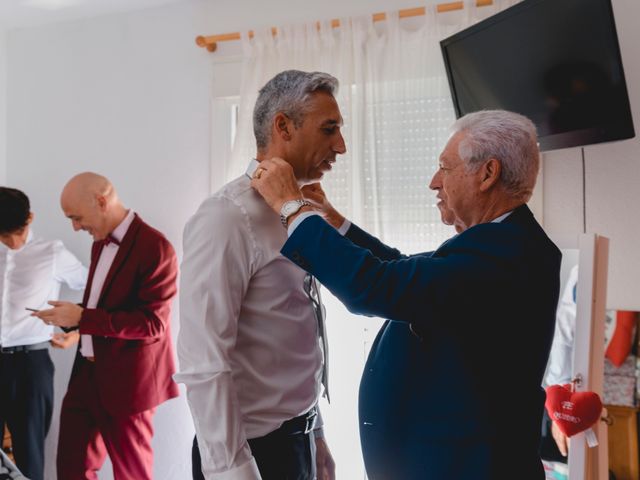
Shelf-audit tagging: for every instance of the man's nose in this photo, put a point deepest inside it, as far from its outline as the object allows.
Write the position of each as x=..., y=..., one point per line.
x=340, y=146
x=435, y=183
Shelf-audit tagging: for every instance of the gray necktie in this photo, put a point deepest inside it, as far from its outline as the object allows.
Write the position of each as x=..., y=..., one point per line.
x=313, y=292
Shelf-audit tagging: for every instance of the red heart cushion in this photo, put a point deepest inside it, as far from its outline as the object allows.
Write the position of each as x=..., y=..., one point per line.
x=572, y=412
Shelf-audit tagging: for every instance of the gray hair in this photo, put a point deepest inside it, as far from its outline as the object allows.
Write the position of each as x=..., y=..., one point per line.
x=507, y=136
x=287, y=93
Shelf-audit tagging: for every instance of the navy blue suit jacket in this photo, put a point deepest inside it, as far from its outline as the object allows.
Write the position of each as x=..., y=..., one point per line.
x=451, y=389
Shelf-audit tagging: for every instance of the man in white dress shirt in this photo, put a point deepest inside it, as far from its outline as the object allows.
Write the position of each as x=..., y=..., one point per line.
x=31, y=272
x=559, y=368
x=250, y=343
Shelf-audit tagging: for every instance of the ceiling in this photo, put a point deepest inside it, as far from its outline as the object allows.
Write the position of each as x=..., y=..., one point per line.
x=25, y=13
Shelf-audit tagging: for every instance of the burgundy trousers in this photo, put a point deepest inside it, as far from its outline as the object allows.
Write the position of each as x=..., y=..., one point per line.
x=88, y=433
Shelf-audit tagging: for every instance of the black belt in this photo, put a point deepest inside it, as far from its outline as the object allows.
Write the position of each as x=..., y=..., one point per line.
x=302, y=424
x=24, y=348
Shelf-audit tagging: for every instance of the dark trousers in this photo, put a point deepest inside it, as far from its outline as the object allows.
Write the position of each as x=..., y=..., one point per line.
x=280, y=455
x=26, y=404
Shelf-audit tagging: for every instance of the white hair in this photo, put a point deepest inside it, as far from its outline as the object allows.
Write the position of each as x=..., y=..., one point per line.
x=506, y=136
x=288, y=93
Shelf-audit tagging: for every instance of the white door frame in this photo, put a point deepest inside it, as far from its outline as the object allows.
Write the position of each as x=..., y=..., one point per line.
x=588, y=354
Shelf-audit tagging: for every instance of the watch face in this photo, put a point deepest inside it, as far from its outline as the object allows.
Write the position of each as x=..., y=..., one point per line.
x=289, y=208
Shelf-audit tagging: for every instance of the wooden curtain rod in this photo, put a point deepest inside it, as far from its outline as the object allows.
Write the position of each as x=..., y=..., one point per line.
x=211, y=42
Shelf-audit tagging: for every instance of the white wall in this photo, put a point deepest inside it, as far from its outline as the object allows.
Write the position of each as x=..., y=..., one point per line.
x=128, y=96
x=612, y=183
x=3, y=106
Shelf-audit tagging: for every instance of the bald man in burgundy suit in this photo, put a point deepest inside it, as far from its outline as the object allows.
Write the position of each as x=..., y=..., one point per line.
x=124, y=365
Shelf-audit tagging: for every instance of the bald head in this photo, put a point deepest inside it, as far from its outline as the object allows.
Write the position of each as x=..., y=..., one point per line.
x=90, y=201
x=85, y=187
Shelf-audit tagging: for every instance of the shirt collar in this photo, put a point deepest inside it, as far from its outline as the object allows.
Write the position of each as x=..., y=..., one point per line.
x=121, y=230
x=253, y=166
x=251, y=169
x=502, y=217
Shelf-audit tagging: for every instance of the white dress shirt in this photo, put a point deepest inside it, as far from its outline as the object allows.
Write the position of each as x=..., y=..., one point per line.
x=248, y=346
x=29, y=277
x=107, y=255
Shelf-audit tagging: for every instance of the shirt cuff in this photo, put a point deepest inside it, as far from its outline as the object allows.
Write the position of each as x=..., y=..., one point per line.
x=318, y=430
x=246, y=471
x=344, y=228
x=298, y=220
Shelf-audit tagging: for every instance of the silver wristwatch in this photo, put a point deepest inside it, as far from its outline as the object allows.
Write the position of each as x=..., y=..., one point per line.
x=289, y=208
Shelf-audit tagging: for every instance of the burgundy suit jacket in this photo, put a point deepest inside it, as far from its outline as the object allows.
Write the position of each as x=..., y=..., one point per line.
x=130, y=326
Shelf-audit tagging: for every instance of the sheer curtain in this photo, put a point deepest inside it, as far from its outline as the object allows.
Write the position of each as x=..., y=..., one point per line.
x=395, y=101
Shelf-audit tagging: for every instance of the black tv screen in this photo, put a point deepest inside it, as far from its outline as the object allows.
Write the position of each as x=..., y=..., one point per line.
x=556, y=61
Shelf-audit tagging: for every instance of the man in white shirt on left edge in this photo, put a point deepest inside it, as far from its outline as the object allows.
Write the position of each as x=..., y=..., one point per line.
x=32, y=271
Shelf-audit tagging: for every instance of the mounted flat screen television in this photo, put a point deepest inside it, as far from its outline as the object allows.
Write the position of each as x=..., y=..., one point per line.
x=556, y=61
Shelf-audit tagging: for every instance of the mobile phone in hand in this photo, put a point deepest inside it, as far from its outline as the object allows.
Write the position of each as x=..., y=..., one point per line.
x=31, y=309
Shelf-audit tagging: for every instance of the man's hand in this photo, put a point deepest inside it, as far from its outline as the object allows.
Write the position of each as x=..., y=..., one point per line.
x=561, y=439
x=315, y=195
x=275, y=181
x=326, y=467
x=63, y=314
x=65, y=340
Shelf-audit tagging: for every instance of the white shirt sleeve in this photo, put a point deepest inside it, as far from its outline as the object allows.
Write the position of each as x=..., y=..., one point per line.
x=68, y=269
x=560, y=367
x=217, y=265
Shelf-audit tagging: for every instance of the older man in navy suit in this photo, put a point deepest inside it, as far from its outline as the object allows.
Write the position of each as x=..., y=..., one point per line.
x=451, y=389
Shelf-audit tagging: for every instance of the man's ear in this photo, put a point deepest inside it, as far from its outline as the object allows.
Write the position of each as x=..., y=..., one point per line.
x=101, y=201
x=282, y=126
x=490, y=174
x=29, y=218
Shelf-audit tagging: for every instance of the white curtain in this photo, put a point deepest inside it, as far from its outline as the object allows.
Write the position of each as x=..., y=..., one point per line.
x=395, y=101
